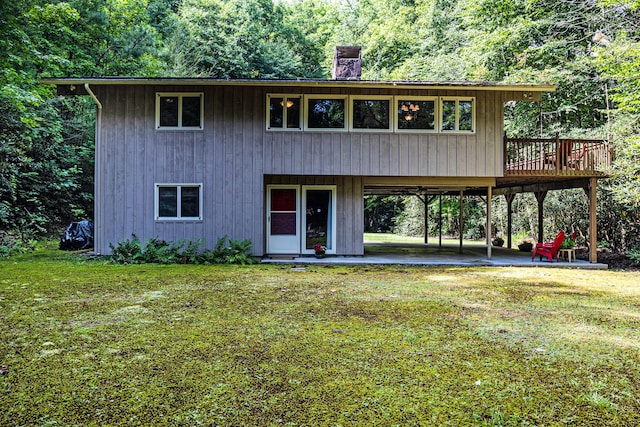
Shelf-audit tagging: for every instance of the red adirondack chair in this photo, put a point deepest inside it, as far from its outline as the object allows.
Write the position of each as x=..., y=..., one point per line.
x=549, y=250
x=574, y=159
x=569, y=157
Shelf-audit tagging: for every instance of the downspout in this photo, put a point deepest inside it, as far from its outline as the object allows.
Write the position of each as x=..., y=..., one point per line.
x=97, y=185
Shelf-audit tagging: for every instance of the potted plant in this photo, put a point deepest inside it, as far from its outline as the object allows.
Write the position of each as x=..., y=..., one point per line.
x=525, y=246
x=320, y=250
x=568, y=243
x=498, y=241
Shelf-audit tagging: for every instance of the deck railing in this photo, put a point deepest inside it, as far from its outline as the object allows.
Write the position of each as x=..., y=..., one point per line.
x=555, y=156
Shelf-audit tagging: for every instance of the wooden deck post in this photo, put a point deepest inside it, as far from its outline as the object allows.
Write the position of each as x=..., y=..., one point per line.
x=540, y=196
x=426, y=219
x=440, y=222
x=509, y=197
x=558, y=154
x=489, y=195
x=427, y=201
x=423, y=199
x=593, y=223
x=461, y=220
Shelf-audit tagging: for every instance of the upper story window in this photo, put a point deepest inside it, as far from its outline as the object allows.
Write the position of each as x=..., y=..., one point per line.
x=179, y=111
x=416, y=114
x=458, y=114
x=326, y=112
x=179, y=202
x=283, y=112
x=371, y=113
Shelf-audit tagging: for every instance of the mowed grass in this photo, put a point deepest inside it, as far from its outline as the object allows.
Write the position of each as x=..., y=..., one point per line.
x=88, y=343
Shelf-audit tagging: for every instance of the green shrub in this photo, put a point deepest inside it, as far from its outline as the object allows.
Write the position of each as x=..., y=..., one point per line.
x=158, y=251
x=231, y=252
x=240, y=252
x=127, y=251
x=10, y=245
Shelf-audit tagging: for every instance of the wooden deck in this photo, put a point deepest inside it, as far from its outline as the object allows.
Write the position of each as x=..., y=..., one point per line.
x=555, y=157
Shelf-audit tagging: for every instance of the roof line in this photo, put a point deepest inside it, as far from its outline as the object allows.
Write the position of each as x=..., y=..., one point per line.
x=399, y=84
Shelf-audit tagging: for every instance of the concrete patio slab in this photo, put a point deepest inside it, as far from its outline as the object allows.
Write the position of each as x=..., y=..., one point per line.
x=432, y=254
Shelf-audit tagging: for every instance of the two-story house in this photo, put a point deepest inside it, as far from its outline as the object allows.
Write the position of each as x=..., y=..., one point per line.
x=287, y=163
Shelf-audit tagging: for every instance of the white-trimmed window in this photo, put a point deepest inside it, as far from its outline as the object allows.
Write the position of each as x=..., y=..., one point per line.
x=284, y=112
x=457, y=114
x=180, y=111
x=416, y=114
x=371, y=113
x=326, y=113
x=178, y=202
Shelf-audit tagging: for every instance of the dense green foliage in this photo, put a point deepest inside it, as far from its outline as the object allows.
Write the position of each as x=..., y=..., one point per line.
x=46, y=143
x=589, y=49
x=156, y=251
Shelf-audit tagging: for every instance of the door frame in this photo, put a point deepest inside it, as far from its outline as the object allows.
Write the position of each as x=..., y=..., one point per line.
x=298, y=244
x=271, y=245
x=333, y=223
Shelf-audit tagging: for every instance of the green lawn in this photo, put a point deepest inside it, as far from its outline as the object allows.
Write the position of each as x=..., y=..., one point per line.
x=88, y=343
x=395, y=238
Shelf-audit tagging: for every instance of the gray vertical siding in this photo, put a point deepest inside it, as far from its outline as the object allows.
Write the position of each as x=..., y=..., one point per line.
x=234, y=155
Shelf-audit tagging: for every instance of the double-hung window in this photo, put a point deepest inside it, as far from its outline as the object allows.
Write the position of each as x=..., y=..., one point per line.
x=178, y=202
x=283, y=112
x=179, y=111
x=458, y=114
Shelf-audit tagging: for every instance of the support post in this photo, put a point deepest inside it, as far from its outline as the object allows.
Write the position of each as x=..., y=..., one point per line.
x=440, y=222
x=540, y=196
x=426, y=220
x=509, y=197
x=593, y=223
x=427, y=201
x=461, y=220
x=489, y=195
x=559, y=159
x=424, y=201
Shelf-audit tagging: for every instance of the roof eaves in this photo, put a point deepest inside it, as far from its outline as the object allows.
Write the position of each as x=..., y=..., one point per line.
x=368, y=84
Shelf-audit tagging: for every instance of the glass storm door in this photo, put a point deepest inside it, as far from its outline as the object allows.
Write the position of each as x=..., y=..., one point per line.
x=319, y=218
x=283, y=220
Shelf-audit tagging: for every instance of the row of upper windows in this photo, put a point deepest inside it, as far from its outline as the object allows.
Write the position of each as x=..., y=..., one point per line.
x=370, y=113
x=334, y=113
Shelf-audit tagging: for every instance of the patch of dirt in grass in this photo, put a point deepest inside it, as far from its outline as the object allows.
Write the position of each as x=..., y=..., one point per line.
x=615, y=260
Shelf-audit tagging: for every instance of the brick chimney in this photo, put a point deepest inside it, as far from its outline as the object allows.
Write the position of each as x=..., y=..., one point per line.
x=347, y=63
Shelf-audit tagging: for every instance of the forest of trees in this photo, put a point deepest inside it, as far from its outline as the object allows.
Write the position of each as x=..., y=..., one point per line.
x=589, y=49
